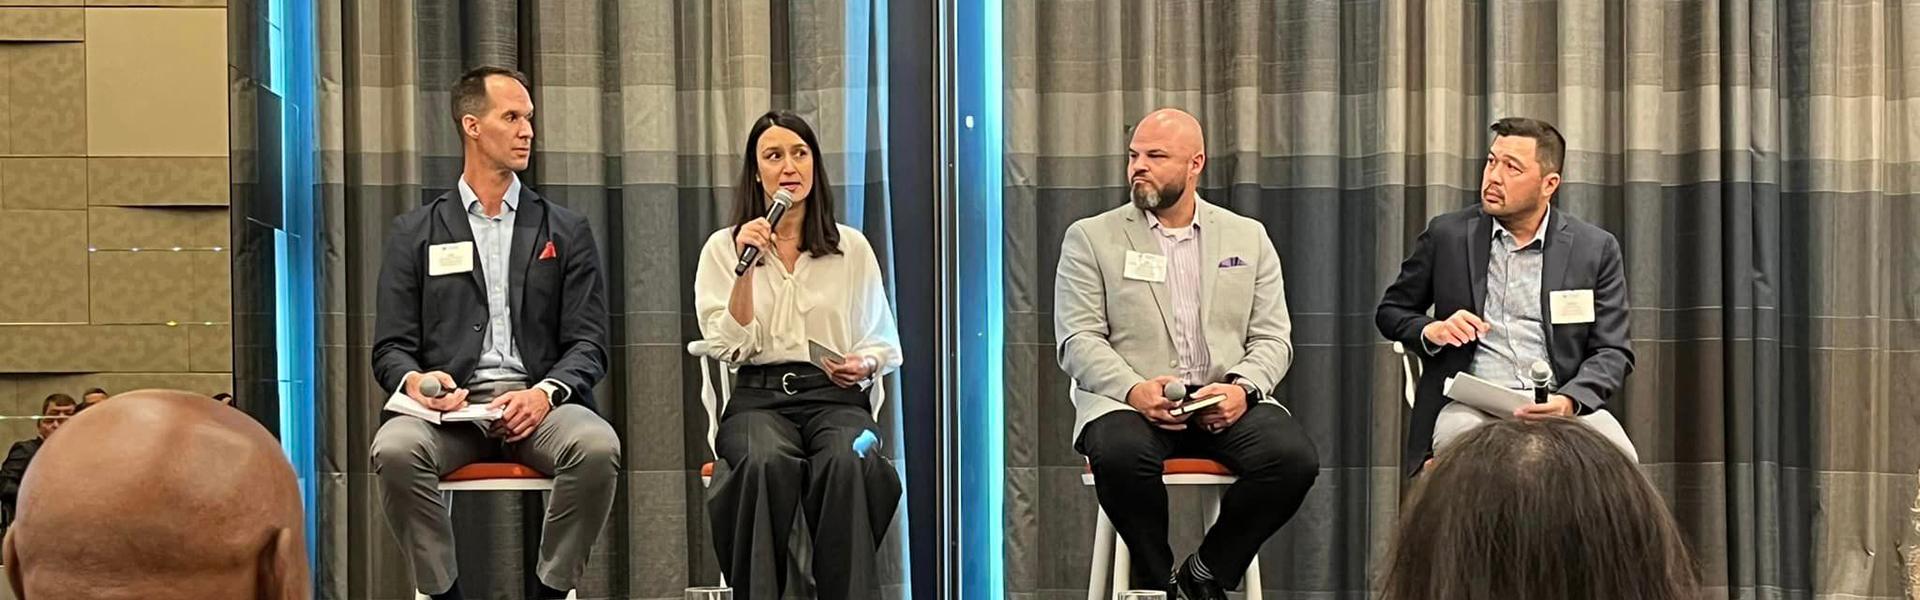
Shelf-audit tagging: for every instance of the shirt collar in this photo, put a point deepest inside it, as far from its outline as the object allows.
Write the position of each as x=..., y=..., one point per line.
x=1539, y=235
x=1153, y=222
x=468, y=197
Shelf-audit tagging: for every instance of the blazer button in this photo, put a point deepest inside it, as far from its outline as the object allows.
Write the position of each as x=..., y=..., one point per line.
x=1173, y=364
x=476, y=326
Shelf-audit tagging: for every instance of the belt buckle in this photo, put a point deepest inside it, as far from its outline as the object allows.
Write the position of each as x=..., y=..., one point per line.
x=786, y=380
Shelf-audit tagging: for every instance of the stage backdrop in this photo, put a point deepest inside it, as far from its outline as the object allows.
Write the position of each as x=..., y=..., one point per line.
x=1759, y=163
x=643, y=109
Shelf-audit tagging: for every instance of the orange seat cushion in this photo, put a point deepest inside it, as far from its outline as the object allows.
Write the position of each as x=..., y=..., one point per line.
x=706, y=470
x=493, y=470
x=1189, y=466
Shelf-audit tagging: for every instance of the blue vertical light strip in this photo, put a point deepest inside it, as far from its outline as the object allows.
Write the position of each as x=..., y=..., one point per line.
x=866, y=81
x=982, y=302
x=290, y=44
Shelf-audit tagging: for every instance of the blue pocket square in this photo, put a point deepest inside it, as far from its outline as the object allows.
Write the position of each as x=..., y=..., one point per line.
x=1231, y=262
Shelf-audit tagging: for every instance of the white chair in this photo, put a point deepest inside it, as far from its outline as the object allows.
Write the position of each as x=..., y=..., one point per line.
x=493, y=477
x=1410, y=367
x=716, y=385
x=1112, y=563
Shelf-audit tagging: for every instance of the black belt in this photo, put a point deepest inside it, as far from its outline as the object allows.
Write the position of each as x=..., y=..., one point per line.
x=789, y=378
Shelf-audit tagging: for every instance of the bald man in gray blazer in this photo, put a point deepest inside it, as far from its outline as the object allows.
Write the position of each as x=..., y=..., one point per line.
x=1172, y=289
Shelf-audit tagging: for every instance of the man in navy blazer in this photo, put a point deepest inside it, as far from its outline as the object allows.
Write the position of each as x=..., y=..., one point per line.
x=1512, y=282
x=495, y=294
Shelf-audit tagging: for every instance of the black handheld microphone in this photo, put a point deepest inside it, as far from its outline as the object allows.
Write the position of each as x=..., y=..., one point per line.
x=781, y=200
x=1542, y=375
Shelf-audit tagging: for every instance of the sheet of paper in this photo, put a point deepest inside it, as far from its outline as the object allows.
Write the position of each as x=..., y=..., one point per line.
x=472, y=412
x=1496, y=400
x=401, y=403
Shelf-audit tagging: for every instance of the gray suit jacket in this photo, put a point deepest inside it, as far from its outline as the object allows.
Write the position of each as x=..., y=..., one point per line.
x=1115, y=332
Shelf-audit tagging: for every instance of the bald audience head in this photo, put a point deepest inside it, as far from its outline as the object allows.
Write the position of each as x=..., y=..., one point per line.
x=159, y=495
x=1164, y=160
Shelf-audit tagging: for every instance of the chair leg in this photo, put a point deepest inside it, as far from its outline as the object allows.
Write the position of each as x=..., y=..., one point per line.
x=1251, y=583
x=1209, y=505
x=1122, y=567
x=1099, y=571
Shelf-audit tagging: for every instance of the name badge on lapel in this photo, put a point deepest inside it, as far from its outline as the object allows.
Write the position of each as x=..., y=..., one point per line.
x=1146, y=267
x=448, y=259
x=1571, y=306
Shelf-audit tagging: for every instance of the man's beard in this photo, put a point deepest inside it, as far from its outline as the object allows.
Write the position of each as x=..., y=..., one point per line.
x=1149, y=199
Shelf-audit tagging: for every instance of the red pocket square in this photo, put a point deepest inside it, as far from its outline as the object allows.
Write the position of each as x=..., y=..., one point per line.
x=547, y=252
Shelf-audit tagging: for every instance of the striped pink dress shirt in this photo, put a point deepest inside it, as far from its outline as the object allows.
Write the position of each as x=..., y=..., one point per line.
x=1182, y=249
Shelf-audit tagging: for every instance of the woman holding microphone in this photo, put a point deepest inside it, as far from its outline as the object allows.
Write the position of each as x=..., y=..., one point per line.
x=797, y=431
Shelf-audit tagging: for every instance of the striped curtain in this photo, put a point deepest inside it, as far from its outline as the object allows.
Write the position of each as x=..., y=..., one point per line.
x=1759, y=161
x=644, y=106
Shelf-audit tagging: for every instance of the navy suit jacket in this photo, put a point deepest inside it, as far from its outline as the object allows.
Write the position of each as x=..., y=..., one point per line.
x=1448, y=272
x=437, y=323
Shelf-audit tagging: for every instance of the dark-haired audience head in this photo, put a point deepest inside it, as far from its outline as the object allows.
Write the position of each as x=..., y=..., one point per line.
x=56, y=408
x=198, y=503
x=223, y=398
x=782, y=152
x=1548, y=509
x=94, y=396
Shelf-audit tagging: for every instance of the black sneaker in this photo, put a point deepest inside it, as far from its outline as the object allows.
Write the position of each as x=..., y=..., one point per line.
x=1183, y=585
x=452, y=593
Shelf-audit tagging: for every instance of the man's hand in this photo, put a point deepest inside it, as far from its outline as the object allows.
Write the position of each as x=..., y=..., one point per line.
x=1149, y=397
x=850, y=370
x=520, y=412
x=1219, y=417
x=1556, y=406
x=1458, y=330
x=452, y=395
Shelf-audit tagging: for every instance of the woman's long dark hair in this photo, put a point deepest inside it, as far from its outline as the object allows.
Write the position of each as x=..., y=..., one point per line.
x=1545, y=510
x=820, y=234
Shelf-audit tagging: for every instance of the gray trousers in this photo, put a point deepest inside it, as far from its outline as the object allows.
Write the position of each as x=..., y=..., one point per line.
x=1456, y=418
x=573, y=445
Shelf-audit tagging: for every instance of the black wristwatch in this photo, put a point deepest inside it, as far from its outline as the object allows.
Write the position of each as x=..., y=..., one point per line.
x=1253, y=391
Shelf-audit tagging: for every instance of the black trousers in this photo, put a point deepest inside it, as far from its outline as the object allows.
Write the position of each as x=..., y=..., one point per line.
x=1270, y=453
x=779, y=453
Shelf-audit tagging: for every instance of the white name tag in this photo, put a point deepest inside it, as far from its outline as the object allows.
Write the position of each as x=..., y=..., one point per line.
x=447, y=259
x=1571, y=306
x=1146, y=267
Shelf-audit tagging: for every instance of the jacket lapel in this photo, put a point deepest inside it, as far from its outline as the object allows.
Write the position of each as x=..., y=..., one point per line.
x=1558, y=249
x=452, y=213
x=1210, y=241
x=528, y=221
x=1138, y=240
x=1479, y=251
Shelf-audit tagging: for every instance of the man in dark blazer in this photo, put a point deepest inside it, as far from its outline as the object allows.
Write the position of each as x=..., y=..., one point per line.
x=53, y=412
x=496, y=294
x=1512, y=282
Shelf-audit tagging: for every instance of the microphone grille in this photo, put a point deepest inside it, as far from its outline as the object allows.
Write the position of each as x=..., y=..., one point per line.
x=783, y=197
x=430, y=387
x=1540, y=371
x=1175, y=390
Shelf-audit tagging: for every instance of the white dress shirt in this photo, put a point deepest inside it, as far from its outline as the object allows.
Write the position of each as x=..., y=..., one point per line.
x=837, y=300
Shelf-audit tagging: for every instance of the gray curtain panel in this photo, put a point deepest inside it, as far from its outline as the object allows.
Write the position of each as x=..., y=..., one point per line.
x=643, y=107
x=1759, y=161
